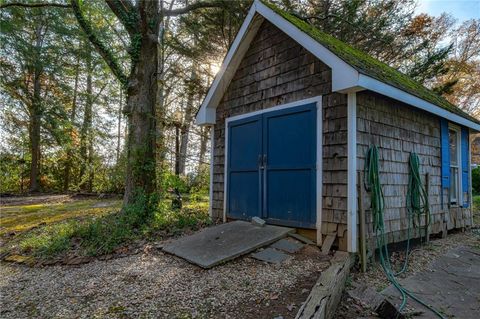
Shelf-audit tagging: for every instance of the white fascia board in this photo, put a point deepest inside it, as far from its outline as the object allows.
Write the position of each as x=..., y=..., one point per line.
x=206, y=114
x=344, y=76
x=397, y=94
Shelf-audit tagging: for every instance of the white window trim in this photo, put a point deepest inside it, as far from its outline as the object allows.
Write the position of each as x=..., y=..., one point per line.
x=319, y=175
x=458, y=130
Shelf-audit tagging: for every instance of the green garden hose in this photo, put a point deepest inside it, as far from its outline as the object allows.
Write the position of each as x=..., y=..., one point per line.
x=417, y=204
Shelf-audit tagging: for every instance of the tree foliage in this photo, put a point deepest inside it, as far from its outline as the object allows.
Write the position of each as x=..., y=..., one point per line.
x=89, y=76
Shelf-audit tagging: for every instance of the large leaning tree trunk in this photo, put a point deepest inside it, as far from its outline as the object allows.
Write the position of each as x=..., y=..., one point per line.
x=142, y=23
x=141, y=20
x=140, y=111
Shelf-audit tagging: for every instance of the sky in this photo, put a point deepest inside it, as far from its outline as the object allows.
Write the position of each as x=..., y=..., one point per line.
x=460, y=9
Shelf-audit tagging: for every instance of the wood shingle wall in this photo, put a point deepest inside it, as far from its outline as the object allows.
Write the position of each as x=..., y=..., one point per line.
x=277, y=70
x=398, y=129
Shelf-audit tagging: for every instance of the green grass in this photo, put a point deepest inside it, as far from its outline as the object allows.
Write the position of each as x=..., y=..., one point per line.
x=476, y=210
x=101, y=232
x=25, y=217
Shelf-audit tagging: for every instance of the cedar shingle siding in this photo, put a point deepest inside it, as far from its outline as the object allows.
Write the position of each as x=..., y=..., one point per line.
x=398, y=129
x=277, y=70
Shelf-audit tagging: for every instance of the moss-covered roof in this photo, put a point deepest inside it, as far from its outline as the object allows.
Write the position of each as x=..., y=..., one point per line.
x=369, y=65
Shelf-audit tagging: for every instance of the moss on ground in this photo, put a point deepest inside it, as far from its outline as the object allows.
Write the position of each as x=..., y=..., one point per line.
x=22, y=218
x=81, y=228
x=369, y=65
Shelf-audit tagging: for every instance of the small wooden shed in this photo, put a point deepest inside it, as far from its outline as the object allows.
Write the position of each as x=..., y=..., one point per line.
x=292, y=113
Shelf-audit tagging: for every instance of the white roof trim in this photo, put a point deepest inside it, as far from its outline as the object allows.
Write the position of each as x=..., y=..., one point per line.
x=206, y=114
x=345, y=78
x=397, y=94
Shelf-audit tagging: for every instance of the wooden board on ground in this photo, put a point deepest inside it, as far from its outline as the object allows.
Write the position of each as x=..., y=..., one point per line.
x=328, y=242
x=327, y=292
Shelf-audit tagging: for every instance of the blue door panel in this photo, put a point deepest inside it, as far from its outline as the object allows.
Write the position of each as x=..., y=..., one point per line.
x=290, y=198
x=272, y=167
x=289, y=141
x=245, y=144
x=244, y=178
x=244, y=199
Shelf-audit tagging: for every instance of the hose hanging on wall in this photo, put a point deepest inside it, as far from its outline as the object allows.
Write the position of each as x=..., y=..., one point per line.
x=417, y=197
x=417, y=204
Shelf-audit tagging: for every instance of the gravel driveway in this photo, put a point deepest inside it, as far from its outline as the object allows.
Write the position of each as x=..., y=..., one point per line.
x=154, y=285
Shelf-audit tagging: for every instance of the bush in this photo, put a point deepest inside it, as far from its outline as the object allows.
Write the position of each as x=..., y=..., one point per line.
x=476, y=181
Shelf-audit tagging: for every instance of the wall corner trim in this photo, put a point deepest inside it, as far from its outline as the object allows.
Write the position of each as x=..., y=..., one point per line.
x=352, y=238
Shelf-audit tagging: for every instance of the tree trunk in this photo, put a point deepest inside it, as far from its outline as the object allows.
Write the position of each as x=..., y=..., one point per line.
x=86, y=134
x=36, y=114
x=119, y=128
x=161, y=148
x=140, y=111
x=204, y=132
x=34, y=135
x=187, y=121
x=73, y=114
x=177, y=149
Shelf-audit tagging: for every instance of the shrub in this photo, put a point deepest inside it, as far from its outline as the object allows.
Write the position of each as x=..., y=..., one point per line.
x=476, y=180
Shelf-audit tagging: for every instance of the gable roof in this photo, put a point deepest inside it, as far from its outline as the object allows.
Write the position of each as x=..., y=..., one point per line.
x=352, y=69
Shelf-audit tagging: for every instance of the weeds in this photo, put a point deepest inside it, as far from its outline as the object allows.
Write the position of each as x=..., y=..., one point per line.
x=104, y=234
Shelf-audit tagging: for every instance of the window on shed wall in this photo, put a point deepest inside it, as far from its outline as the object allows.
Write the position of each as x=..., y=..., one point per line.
x=455, y=163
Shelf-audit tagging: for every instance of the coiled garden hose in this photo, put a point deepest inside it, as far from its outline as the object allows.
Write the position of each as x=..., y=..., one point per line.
x=417, y=204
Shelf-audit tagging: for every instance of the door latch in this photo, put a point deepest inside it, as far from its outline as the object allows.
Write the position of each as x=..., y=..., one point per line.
x=260, y=162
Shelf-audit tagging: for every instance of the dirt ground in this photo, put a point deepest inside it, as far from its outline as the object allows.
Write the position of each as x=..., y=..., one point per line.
x=144, y=282
x=152, y=284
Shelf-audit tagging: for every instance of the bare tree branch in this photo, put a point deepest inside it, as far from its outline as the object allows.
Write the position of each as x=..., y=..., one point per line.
x=125, y=13
x=33, y=5
x=192, y=7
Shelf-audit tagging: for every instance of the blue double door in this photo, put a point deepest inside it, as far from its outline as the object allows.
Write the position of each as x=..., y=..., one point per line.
x=271, y=167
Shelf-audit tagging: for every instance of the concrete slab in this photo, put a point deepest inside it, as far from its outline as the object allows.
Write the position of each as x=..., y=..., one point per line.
x=451, y=285
x=289, y=246
x=218, y=244
x=271, y=255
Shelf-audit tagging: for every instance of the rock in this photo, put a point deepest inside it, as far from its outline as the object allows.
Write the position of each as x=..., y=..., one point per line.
x=257, y=221
x=78, y=260
x=375, y=301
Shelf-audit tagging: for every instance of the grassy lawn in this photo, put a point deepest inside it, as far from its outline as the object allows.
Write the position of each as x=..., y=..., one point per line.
x=14, y=219
x=90, y=227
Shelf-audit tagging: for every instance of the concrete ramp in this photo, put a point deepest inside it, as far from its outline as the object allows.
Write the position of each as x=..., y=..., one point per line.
x=218, y=244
